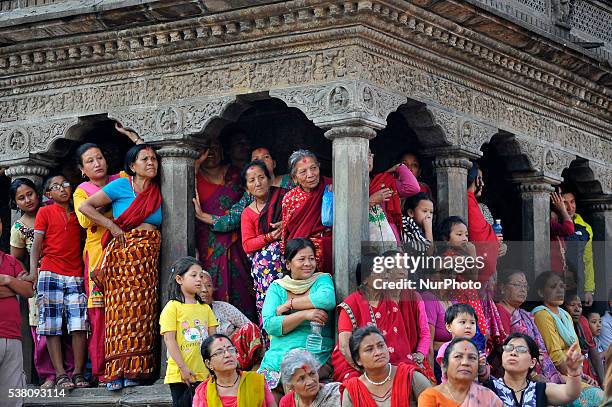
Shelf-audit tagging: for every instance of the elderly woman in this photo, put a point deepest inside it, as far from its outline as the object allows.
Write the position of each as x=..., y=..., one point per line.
x=218, y=188
x=93, y=166
x=299, y=373
x=401, y=315
x=515, y=389
x=301, y=215
x=513, y=289
x=381, y=384
x=460, y=367
x=245, y=335
x=228, y=386
x=130, y=287
x=260, y=227
x=557, y=329
x=296, y=306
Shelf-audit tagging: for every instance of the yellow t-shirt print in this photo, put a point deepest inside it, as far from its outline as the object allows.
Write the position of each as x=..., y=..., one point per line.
x=190, y=322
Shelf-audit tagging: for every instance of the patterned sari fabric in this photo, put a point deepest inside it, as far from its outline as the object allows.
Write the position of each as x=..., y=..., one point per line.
x=268, y=263
x=302, y=218
x=248, y=343
x=221, y=253
x=92, y=254
x=398, y=322
x=267, y=267
x=522, y=322
x=129, y=280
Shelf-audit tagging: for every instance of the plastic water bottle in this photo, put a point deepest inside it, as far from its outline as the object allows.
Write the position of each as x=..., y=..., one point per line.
x=314, y=341
x=497, y=227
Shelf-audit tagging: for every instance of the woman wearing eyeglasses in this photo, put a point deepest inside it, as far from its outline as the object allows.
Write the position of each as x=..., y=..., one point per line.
x=515, y=389
x=513, y=289
x=227, y=385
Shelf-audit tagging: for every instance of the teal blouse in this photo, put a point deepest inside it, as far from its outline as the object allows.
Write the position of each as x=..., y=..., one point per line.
x=323, y=296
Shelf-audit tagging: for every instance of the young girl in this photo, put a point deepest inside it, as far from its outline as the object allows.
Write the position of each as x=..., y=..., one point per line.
x=461, y=322
x=417, y=231
x=453, y=232
x=185, y=322
x=594, y=318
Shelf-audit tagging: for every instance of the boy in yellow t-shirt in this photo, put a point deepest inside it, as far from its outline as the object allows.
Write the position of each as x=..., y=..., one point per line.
x=185, y=322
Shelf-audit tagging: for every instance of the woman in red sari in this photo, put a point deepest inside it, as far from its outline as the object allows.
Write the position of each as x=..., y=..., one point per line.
x=386, y=191
x=260, y=226
x=218, y=188
x=400, y=316
x=301, y=215
x=128, y=273
x=381, y=383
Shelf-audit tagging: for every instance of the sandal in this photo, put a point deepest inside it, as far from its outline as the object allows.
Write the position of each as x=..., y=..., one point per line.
x=48, y=384
x=79, y=381
x=63, y=382
x=114, y=385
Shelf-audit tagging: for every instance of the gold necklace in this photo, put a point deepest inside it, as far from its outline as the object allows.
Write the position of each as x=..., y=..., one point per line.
x=450, y=393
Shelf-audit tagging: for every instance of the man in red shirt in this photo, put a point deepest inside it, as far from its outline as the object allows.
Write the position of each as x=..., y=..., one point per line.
x=60, y=293
x=11, y=358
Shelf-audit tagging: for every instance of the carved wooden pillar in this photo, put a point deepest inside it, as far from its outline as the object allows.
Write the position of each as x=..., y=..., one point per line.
x=600, y=220
x=535, y=218
x=351, y=110
x=34, y=172
x=351, y=181
x=451, y=183
x=175, y=129
x=178, y=225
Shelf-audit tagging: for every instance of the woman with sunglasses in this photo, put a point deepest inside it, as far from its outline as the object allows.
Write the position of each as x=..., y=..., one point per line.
x=228, y=386
x=519, y=358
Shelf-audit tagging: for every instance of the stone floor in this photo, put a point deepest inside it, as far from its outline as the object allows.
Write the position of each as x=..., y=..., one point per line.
x=141, y=396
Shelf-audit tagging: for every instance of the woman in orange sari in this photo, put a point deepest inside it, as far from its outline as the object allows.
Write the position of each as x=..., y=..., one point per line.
x=128, y=274
x=301, y=213
x=460, y=367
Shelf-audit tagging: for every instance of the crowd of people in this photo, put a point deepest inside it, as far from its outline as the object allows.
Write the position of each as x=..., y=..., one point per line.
x=254, y=319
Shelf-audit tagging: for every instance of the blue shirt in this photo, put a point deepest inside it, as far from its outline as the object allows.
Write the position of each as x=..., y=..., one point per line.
x=122, y=195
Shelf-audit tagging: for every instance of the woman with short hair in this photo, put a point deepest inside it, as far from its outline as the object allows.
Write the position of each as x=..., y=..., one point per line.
x=299, y=374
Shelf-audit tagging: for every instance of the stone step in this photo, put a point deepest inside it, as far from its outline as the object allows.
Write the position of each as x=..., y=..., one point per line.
x=156, y=395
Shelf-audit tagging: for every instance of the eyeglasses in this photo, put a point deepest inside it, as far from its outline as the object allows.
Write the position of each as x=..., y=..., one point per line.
x=519, y=349
x=519, y=286
x=221, y=352
x=56, y=187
